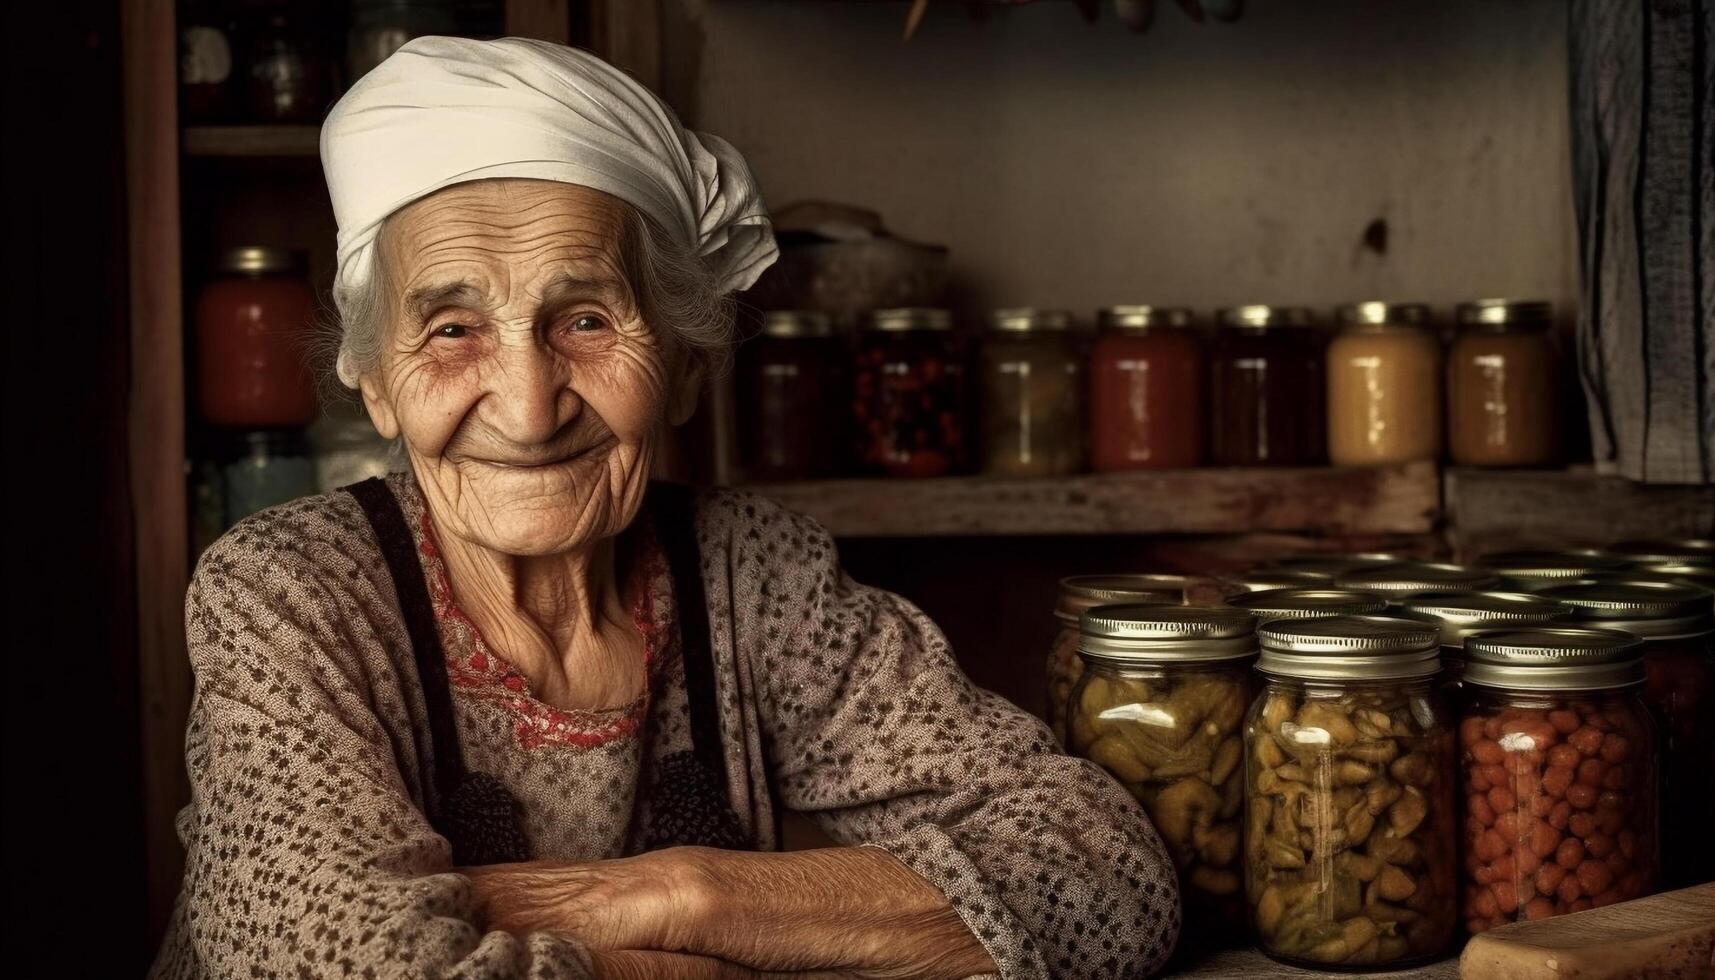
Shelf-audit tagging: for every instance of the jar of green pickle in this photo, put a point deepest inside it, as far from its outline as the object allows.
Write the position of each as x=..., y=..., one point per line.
x=1160, y=706
x=1081, y=592
x=1349, y=826
x=1032, y=395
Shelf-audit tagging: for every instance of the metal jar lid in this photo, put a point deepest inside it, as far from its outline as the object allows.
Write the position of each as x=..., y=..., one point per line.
x=1407, y=577
x=1459, y=614
x=1266, y=579
x=1504, y=313
x=1260, y=316
x=260, y=260
x=1653, y=610
x=796, y=323
x=1081, y=592
x=905, y=318
x=1310, y=603
x=1028, y=320
x=1547, y=566
x=1143, y=317
x=1350, y=648
x=1655, y=552
x=1411, y=316
x=1559, y=658
x=1334, y=564
x=1688, y=572
x=1177, y=634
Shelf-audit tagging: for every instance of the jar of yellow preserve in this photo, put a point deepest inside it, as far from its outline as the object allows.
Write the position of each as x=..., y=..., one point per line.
x=1384, y=386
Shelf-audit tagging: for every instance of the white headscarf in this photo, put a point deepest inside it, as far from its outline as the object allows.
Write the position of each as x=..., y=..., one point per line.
x=445, y=110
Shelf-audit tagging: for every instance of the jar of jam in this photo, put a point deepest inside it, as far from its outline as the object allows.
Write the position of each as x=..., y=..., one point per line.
x=908, y=394
x=1081, y=592
x=254, y=323
x=789, y=384
x=1311, y=603
x=1460, y=614
x=1557, y=763
x=1502, y=384
x=1032, y=395
x=1160, y=707
x=1397, y=580
x=1146, y=390
x=1349, y=825
x=1530, y=570
x=1266, y=388
x=1677, y=626
x=1384, y=386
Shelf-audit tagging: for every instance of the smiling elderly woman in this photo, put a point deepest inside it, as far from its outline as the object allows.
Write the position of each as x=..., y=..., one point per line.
x=518, y=712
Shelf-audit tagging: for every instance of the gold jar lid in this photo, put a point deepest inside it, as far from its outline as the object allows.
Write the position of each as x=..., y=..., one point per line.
x=1350, y=648
x=797, y=323
x=1261, y=316
x=1459, y=614
x=1081, y=592
x=1334, y=563
x=1655, y=552
x=905, y=318
x=258, y=260
x=1653, y=610
x=1143, y=317
x=1180, y=634
x=1267, y=579
x=1406, y=577
x=1502, y=314
x=1548, y=566
x=1377, y=314
x=1687, y=572
x=1029, y=320
x=1557, y=658
x=1268, y=606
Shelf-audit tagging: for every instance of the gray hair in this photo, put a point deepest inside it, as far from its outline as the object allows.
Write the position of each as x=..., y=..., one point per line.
x=675, y=292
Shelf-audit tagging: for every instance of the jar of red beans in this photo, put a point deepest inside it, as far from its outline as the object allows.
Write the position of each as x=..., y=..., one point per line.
x=789, y=386
x=1676, y=623
x=1558, y=766
x=1081, y=592
x=908, y=394
x=1267, y=392
x=1146, y=390
x=253, y=327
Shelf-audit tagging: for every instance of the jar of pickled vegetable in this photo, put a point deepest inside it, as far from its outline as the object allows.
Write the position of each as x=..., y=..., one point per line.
x=1558, y=771
x=1677, y=626
x=1384, y=386
x=1032, y=395
x=1266, y=388
x=1349, y=832
x=1146, y=390
x=1459, y=614
x=1308, y=603
x=1398, y=580
x=1081, y=592
x=908, y=394
x=1160, y=707
x=1538, y=569
x=789, y=383
x=1502, y=385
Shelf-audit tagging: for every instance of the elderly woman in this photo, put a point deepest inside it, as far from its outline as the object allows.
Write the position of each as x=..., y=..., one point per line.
x=520, y=713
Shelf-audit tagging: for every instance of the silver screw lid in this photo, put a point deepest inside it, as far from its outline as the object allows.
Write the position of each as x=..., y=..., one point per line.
x=1686, y=573
x=1140, y=317
x=1558, y=658
x=1310, y=603
x=1266, y=579
x=1693, y=549
x=906, y=318
x=1147, y=634
x=1027, y=319
x=1081, y=592
x=1350, y=648
x=797, y=323
x=1407, y=577
x=1459, y=614
x=1334, y=564
x=1532, y=567
x=1653, y=610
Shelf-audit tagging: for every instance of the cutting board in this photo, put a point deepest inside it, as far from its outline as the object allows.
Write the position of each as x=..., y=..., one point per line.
x=1667, y=937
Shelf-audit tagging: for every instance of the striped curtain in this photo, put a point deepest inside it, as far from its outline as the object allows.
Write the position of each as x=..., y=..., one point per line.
x=1643, y=138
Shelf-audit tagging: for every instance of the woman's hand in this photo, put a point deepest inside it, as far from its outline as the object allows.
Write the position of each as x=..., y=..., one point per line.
x=633, y=903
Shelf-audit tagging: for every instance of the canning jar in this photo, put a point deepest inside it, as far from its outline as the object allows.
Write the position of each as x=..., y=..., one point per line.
x=1269, y=579
x=1266, y=388
x=1538, y=569
x=1459, y=614
x=1349, y=833
x=1400, y=579
x=908, y=394
x=789, y=389
x=1384, y=386
x=1160, y=707
x=1146, y=390
x=1502, y=385
x=1677, y=626
x=1032, y=395
x=1081, y=592
x=1311, y=603
x=1557, y=764
x=253, y=328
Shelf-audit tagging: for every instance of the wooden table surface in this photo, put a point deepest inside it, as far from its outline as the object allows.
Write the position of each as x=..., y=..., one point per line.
x=1249, y=964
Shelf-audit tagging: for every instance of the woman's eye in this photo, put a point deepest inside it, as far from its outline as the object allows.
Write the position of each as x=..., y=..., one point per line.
x=451, y=331
x=588, y=322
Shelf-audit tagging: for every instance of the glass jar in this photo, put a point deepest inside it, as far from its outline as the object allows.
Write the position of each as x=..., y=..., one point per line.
x=789, y=383
x=1312, y=603
x=1349, y=833
x=1384, y=386
x=1266, y=389
x=381, y=27
x=1269, y=579
x=1146, y=390
x=205, y=62
x=1081, y=592
x=1502, y=385
x=1032, y=395
x=1557, y=766
x=290, y=80
x=1160, y=708
x=1677, y=626
x=1398, y=580
x=1460, y=614
x=253, y=329
x=908, y=394
x=272, y=468
x=1532, y=570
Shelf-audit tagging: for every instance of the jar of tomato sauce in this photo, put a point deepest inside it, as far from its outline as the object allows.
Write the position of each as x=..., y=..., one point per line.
x=1146, y=390
x=1266, y=388
x=1032, y=385
x=253, y=328
x=908, y=394
x=1502, y=384
x=790, y=379
x=1384, y=386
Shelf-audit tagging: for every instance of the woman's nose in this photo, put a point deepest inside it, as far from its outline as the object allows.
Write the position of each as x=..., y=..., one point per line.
x=530, y=396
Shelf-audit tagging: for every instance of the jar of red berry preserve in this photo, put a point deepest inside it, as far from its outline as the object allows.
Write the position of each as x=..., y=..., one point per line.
x=908, y=395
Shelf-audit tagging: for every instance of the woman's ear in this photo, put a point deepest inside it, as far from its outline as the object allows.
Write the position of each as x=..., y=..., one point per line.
x=682, y=400
x=379, y=406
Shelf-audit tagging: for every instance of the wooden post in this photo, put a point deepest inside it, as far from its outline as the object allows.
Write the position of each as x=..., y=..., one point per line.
x=545, y=20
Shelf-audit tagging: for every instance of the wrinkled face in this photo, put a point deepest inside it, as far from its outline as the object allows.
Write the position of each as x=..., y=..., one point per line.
x=518, y=368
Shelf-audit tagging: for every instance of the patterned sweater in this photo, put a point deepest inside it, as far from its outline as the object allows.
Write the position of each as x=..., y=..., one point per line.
x=308, y=853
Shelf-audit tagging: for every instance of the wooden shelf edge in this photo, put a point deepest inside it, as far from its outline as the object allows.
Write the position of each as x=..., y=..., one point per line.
x=252, y=141
x=1402, y=499
x=1492, y=510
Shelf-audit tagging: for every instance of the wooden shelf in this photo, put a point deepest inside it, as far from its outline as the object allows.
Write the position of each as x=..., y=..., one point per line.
x=1387, y=500
x=1493, y=510
x=252, y=141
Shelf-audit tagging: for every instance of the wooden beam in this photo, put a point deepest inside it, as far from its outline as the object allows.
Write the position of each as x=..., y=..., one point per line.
x=1493, y=510
x=157, y=430
x=545, y=20
x=252, y=141
x=628, y=34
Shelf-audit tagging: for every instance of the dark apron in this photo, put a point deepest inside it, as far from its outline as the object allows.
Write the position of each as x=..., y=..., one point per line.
x=474, y=811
